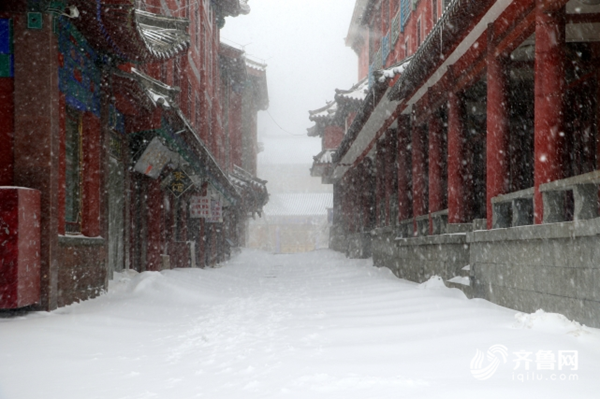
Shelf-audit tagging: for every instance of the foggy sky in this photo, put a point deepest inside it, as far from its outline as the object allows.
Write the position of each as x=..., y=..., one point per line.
x=302, y=42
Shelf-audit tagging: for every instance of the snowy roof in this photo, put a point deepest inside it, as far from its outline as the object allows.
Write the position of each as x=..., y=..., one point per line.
x=164, y=36
x=325, y=112
x=391, y=72
x=255, y=63
x=158, y=92
x=302, y=204
x=131, y=34
x=442, y=41
x=357, y=92
x=252, y=189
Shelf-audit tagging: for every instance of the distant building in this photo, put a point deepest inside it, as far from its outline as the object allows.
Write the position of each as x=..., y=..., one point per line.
x=296, y=222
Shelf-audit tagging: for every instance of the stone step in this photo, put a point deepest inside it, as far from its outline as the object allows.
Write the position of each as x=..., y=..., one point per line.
x=465, y=271
x=467, y=289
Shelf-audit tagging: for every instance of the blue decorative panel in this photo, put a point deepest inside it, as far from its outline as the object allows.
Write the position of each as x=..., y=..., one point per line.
x=79, y=76
x=7, y=68
x=6, y=36
x=385, y=49
x=405, y=10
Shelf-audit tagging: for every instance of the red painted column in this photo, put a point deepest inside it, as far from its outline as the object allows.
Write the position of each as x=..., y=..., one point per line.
x=418, y=172
x=404, y=169
x=457, y=212
x=497, y=142
x=436, y=164
x=549, y=90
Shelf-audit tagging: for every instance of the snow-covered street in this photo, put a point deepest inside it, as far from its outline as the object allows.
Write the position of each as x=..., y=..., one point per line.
x=313, y=325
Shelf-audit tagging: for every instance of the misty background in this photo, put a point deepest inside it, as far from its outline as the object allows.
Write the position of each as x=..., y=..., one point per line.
x=302, y=42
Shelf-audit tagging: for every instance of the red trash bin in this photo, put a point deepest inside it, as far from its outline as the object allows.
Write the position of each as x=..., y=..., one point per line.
x=19, y=247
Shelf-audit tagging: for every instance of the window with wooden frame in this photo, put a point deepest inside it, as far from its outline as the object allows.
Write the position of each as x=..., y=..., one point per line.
x=73, y=169
x=407, y=47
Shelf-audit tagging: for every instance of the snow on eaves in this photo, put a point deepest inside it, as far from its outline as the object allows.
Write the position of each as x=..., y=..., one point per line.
x=163, y=36
x=357, y=92
x=391, y=72
x=326, y=112
x=158, y=92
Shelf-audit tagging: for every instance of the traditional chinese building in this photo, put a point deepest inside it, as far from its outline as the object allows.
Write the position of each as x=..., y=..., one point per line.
x=124, y=127
x=479, y=159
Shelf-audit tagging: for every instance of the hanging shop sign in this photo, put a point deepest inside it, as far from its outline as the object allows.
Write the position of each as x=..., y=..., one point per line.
x=199, y=207
x=206, y=208
x=216, y=212
x=179, y=182
x=153, y=159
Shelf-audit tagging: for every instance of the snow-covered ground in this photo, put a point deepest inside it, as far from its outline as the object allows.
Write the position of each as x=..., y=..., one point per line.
x=312, y=325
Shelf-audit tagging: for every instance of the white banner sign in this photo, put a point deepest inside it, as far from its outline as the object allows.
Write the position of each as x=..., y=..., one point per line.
x=200, y=207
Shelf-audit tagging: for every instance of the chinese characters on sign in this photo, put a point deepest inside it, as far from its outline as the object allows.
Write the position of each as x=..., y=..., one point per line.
x=216, y=212
x=206, y=208
x=180, y=182
x=199, y=207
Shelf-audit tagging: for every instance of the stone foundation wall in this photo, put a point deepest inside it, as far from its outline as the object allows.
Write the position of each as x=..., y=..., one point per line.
x=420, y=258
x=359, y=245
x=82, y=269
x=384, y=248
x=554, y=267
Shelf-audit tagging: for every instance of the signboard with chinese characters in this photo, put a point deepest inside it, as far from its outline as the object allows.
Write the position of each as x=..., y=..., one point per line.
x=216, y=212
x=179, y=182
x=153, y=159
x=199, y=207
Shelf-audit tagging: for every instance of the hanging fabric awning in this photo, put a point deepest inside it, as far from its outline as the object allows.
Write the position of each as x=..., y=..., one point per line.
x=132, y=35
